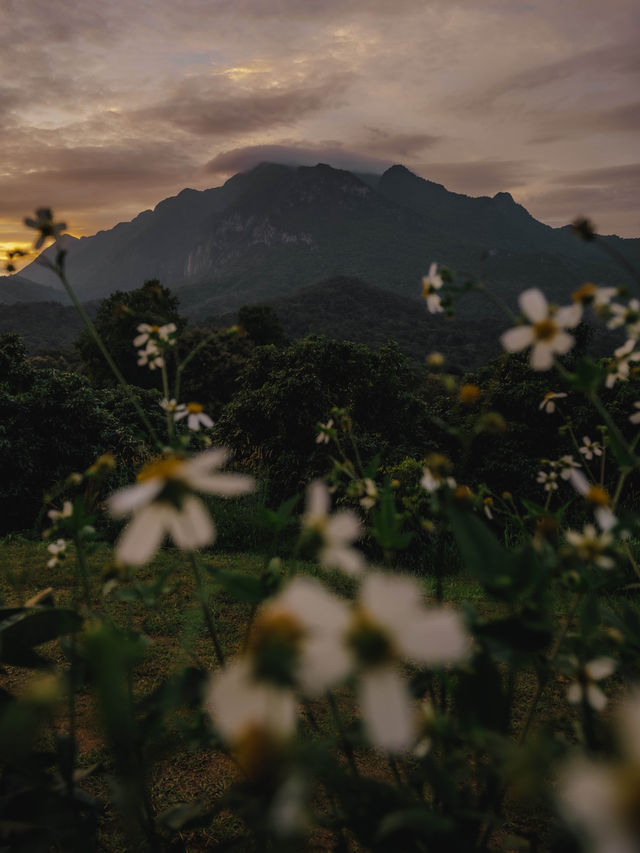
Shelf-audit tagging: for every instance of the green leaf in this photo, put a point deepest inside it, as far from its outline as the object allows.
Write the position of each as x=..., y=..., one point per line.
x=483, y=555
x=241, y=587
x=588, y=377
x=386, y=523
x=417, y=821
x=22, y=628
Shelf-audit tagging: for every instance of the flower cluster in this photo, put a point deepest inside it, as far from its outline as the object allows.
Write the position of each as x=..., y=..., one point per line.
x=154, y=340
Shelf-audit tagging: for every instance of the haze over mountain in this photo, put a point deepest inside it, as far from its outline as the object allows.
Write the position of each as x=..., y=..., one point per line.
x=277, y=228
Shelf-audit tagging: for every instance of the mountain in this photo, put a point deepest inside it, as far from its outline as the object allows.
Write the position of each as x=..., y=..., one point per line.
x=276, y=228
x=18, y=288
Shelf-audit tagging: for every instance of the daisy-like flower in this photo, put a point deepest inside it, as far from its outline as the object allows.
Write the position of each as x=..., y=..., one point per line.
x=431, y=284
x=45, y=225
x=597, y=497
x=195, y=416
x=435, y=473
x=150, y=357
x=325, y=432
x=589, y=448
x=155, y=334
x=546, y=334
x=567, y=464
x=390, y=626
x=591, y=294
x=297, y=638
x=626, y=315
x=549, y=479
x=57, y=550
x=487, y=506
x=65, y=512
x=370, y=493
x=337, y=532
x=621, y=363
x=255, y=718
x=585, y=688
x=163, y=502
x=635, y=417
x=172, y=406
x=591, y=546
x=548, y=401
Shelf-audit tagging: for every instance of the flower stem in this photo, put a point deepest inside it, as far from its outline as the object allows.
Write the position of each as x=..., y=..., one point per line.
x=206, y=611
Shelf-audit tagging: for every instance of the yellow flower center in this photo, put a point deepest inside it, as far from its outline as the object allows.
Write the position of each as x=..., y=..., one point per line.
x=166, y=469
x=585, y=293
x=369, y=640
x=469, y=394
x=194, y=408
x=275, y=645
x=155, y=329
x=545, y=330
x=598, y=496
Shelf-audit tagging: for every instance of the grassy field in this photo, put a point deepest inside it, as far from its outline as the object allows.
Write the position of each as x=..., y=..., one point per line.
x=177, y=638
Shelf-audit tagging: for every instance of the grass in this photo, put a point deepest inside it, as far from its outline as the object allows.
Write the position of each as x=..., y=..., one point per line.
x=177, y=638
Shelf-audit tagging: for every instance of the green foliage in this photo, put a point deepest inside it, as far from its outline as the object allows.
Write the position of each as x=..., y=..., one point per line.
x=117, y=319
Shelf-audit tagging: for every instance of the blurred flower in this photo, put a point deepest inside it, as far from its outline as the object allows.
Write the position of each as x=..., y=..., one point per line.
x=589, y=448
x=435, y=473
x=548, y=405
x=391, y=626
x=45, y=225
x=430, y=285
x=337, y=532
x=591, y=294
x=469, y=394
x=567, y=464
x=195, y=416
x=546, y=334
x=487, y=506
x=58, y=551
x=549, y=479
x=155, y=334
x=621, y=364
x=325, y=432
x=66, y=512
x=297, y=638
x=597, y=497
x=635, y=417
x=255, y=718
x=435, y=360
x=172, y=406
x=150, y=357
x=626, y=315
x=591, y=545
x=163, y=503
x=585, y=688
x=370, y=490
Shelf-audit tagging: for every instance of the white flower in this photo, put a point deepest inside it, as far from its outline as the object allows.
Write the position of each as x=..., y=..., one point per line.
x=337, y=531
x=635, y=417
x=585, y=689
x=430, y=285
x=324, y=432
x=589, y=448
x=621, y=366
x=547, y=333
x=66, y=512
x=58, y=550
x=550, y=480
x=567, y=464
x=255, y=718
x=298, y=638
x=597, y=497
x=195, y=416
x=368, y=500
x=391, y=626
x=163, y=503
x=548, y=404
x=432, y=480
x=150, y=357
x=155, y=334
x=171, y=406
x=626, y=315
x=591, y=545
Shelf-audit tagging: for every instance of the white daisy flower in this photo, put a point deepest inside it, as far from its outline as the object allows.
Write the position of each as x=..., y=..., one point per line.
x=391, y=626
x=163, y=503
x=324, y=432
x=195, y=416
x=430, y=285
x=585, y=688
x=337, y=532
x=546, y=334
x=152, y=334
x=589, y=448
x=150, y=357
x=65, y=512
x=597, y=497
x=58, y=550
x=621, y=365
x=549, y=479
x=298, y=638
x=591, y=545
x=567, y=464
x=548, y=405
x=626, y=315
x=172, y=406
x=635, y=417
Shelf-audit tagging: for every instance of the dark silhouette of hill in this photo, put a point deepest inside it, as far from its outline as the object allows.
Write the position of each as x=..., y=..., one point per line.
x=274, y=229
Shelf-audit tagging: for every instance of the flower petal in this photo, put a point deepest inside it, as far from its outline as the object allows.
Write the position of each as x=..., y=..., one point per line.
x=132, y=498
x=518, y=338
x=191, y=526
x=387, y=709
x=142, y=537
x=534, y=305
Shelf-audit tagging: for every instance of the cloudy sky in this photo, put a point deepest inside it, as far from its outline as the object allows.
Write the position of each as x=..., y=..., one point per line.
x=106, y=108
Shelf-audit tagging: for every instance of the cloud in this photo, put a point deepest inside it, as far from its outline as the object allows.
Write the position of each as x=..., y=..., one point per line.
x=242, y=159
x=624, y=118
x=216, y=106
x=485, y=177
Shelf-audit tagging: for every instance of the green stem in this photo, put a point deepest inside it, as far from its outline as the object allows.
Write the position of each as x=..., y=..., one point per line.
x=348, y=749
x=206, y=611
x=107, y=356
